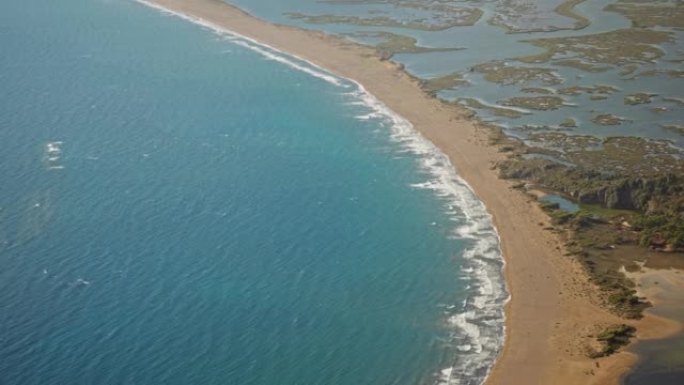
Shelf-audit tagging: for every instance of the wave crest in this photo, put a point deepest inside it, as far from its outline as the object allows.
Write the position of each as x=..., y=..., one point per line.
x=479, y=324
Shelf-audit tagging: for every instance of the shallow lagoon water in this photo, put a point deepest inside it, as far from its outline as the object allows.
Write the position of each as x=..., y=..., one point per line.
x=661, y=361
x=563, y=203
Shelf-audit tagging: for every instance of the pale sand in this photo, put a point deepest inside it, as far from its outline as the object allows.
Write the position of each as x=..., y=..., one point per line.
x=551, y=313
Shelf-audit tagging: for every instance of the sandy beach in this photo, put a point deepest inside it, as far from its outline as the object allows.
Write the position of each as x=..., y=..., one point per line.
x=552, y=312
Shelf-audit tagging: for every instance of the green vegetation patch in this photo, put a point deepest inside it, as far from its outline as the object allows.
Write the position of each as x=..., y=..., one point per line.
x=559, y=143
x=440, y=21
x=568, y=123
x=581, y=65
x=607, y=120
x=567, y=9
x=620, y=47
x=537, y=90
x=597, y=89
x=612, y=339
x=520, y=16
x=540, y=128
x=393, y=44
x=624, y=173
x=651, y=14
x=541, y=103
x=655, y=72
x=601, y=166
x=502, y=73
x=630, y=156
x=450, y=81
x=674, y=128
x=662, y=225
x=639, y=98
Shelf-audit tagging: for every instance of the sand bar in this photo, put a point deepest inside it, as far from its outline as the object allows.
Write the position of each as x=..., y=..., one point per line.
x=551, y=313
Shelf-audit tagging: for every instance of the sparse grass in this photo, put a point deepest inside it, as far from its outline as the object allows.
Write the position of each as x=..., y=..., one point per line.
x=502, y=73
x=620, y=47
x=393, y=43
x=651, y=14
x=606, y=212
x=463, y=17
x=639, y=98
x=612, y=339
x=566, y=9
x=450, y=81
x=541, y=103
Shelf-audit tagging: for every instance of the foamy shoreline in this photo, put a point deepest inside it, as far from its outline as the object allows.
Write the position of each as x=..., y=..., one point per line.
x=545, y=320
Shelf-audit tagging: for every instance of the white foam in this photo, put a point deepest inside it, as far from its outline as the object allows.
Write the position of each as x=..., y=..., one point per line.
x=52, y=155
x=284, y=60
x=445, y=374
x=53, y=148
x=479, y=325
x=81, y=282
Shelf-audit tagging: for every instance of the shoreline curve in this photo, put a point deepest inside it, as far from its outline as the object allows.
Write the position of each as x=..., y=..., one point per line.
x=550, y=312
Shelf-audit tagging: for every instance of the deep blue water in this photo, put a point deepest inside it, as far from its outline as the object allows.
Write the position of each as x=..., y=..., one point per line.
x=175, y=208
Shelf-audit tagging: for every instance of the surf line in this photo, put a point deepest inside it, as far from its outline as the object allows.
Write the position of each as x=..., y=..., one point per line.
x=486, y=251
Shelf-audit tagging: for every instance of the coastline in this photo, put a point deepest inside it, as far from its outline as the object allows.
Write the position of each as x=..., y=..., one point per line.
x=551, y=313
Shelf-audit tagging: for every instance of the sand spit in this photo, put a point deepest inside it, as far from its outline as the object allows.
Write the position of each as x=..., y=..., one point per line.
x=552, y=316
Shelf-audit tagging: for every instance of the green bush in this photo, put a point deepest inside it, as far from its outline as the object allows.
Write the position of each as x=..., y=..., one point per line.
x=612, y=338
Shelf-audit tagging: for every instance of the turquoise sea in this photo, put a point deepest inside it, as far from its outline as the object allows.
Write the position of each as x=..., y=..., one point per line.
x=183, y=206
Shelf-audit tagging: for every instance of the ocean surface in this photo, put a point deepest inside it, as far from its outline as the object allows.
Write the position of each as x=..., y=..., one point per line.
x=182, y=206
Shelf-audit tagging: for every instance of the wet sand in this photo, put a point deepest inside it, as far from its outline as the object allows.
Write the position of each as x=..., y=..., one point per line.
x=552, y=311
